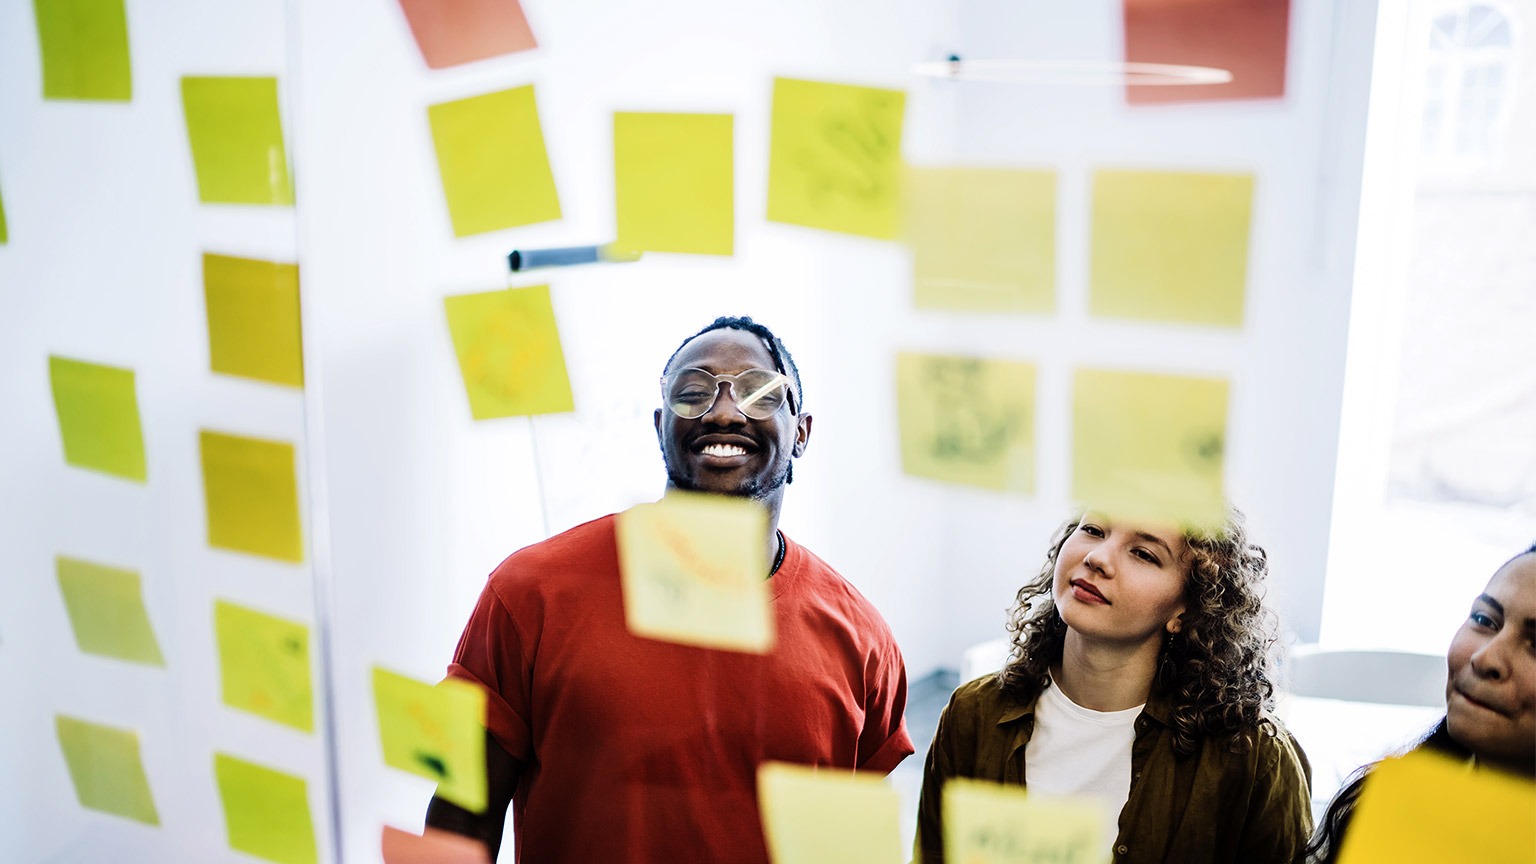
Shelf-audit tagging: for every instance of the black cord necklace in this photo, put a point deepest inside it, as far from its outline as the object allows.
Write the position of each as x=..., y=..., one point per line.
x=779, y=558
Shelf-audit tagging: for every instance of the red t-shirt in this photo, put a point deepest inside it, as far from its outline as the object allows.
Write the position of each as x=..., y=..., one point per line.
x=639, y=750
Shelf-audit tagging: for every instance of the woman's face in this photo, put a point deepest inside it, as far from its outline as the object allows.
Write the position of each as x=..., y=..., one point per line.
x=1490, y=691
x=1121, y=582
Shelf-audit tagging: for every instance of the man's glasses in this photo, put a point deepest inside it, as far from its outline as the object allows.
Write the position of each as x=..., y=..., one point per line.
x=690, y=393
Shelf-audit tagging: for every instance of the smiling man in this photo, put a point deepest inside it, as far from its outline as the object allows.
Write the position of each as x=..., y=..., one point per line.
x=617, y=748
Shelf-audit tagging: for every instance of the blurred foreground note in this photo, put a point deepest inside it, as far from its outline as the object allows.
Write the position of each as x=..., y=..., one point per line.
x=237, y=140
x=106, y=768
x=106, y=611
x=253, y=319
x=264, y=664
x=434, y=732
x=84, y=44
x=834, y=157
x=829, y=816
x=967, y=420
x=432, y=846
x=693, y=571
x=266, y=812
x=989, y=823
x=1420, y=808
x=982, y=239
x=98, y=417
x=1170, y=247
x=4, y=237
x=252, y=496
x=673, y=183
x=450, y=32
x=509, y=352
x=1149, y=447
x=1245, y=37
x=490, y=154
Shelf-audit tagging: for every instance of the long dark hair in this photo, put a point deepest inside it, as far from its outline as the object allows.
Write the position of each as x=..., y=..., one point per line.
x=1216, y=669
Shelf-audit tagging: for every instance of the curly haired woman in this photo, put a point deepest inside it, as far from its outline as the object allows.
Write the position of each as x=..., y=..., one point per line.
x=1139, y=678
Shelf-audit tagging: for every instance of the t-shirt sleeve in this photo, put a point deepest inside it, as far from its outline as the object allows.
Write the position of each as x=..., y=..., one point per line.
x=884, y=741
x=490, y=654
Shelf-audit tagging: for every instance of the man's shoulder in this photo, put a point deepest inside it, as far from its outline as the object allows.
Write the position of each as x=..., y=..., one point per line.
x=581, y=548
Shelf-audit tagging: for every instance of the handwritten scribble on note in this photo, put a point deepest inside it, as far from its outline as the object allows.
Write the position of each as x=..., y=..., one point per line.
x=436, y=732
x=967, y=420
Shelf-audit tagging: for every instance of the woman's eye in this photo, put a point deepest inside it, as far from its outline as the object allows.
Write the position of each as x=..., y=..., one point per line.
x=1147, y=556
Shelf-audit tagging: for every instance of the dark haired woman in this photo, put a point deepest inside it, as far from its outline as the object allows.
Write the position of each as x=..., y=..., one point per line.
x=1490, y=694
x=1139, y=678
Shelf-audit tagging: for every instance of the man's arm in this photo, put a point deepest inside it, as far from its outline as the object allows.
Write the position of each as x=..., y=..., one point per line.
x=501, y=773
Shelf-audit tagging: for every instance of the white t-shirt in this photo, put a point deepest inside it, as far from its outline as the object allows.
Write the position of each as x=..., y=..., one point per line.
x=1081, y=752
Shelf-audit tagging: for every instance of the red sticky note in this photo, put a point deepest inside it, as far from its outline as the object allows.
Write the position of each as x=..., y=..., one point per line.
x=450, y=32
x=1248, y=38
x=431, y=847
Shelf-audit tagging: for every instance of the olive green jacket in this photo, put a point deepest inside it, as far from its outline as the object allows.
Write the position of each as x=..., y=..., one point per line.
x=1211, y=807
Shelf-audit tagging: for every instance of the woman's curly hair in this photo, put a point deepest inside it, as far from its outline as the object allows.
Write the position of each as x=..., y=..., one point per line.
x=1216, y=669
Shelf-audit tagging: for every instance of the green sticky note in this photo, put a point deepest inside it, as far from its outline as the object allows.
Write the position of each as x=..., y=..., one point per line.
x=84, y=44
x=834, y=158
x=264, y=664
x=674, y=188
x=982, y=239
x=1170, y=247
x=252, y=496
x=106, y=611
x=237, y=140
x=990, y=823
x=967, y=420
x=4, y=237
x=490, y=153
x=266, y=812
x=98, y=417
x=509, y=352
x=253, y=319
x=1149, y=446
x=106, y=769
x=434, y=732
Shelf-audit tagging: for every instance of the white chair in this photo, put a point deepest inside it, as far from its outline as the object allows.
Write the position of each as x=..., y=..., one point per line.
x=984, y=658
x=1377, y=677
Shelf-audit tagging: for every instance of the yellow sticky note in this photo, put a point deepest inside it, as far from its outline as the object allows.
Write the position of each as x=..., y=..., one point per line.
x=1149, y=446
x=106, y=611
x=1418, y=809
x=106, y=769
x=84, y=44
x=828, y=816
x=252, y=496
x=236, y=133
x=434, y=732
x=834, y=158
x=266, y=812
x=98, y=417
x=967, y=420
x=982, y=239
x=253, y=319
x=989, y=823
x=694, y=570
x=673, y=182
x=264, y=664
x=4, y=237
x=1170, y=246
x=490, y=152
x=509, y=352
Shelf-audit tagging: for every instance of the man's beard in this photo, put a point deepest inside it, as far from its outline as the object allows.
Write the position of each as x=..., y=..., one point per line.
x=755, y=488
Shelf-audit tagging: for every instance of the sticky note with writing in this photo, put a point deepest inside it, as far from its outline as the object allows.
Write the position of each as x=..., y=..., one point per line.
x=236, y=132
x=253, y=319
x=266, y=812
x=252, y=496
x=434, y=732
x=264, y=664
x=1149, y=446
x=982, y=239
x=1417, y=809
x=98, y=417
x=693, y=570
x=834, y=157
x=509, y=352
x=450, y=32
x=106, y=611
x=490, y=153
x=106, y=768
x=967, y=420
x=673, y=183
x=431, y=846
x=989, y=823
x=828, y=816
x=84, y=44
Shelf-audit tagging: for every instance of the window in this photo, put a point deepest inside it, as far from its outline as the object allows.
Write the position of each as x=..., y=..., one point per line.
x=1467, y=86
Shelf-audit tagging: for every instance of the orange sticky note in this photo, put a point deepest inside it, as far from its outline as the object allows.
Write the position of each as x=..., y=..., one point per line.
x=431, y=847
x=1248, y=38
x=450, y=32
